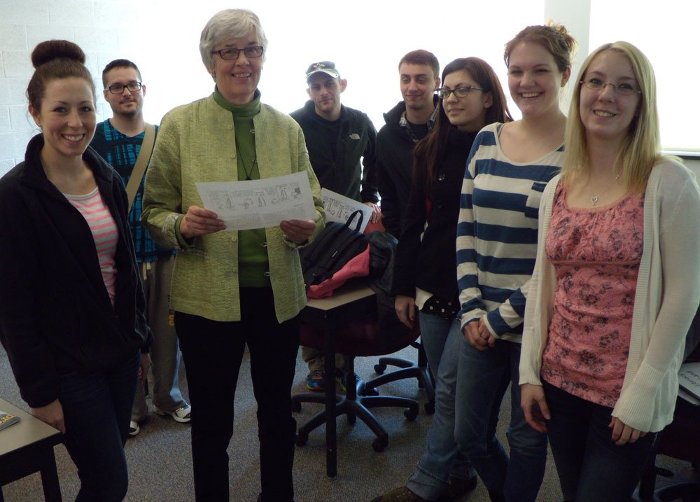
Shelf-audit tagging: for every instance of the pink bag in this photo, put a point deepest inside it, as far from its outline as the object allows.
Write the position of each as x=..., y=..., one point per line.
x=356, y=267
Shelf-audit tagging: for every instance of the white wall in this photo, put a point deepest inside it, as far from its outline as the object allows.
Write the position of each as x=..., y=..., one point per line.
x=365, y=39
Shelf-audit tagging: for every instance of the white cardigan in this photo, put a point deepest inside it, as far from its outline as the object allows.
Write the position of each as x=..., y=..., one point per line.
x=666, y=297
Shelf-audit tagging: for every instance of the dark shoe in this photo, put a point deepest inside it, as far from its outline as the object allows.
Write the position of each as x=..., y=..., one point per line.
x=497, y=496
x=401, y=494
x=458, y=488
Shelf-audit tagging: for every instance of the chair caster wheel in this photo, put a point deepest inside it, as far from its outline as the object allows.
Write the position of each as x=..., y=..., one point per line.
x=301, y=439
x=429, y=407
x=380, y=444
x=379, y=368
x=411, y=414
x=370, y=392
x=296, y=406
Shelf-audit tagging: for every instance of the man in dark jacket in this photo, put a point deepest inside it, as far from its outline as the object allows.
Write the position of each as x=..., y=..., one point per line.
x=341, y=143
x=406, y=124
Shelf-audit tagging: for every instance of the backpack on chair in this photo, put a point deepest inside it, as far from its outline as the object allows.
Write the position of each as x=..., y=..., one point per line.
x=334, y=247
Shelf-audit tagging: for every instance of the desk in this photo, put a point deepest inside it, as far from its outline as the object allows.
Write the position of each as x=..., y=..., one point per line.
x=27, y=447
x=348, y=302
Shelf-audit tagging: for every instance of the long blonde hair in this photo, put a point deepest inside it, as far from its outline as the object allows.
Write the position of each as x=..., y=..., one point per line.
x=640, y=148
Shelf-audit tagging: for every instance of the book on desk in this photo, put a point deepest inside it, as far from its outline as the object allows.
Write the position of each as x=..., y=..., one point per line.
x=7, y=419
x=689, y=379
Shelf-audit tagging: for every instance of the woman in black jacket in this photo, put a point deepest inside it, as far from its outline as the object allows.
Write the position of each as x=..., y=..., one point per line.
x=425, y=278
x=71, y=305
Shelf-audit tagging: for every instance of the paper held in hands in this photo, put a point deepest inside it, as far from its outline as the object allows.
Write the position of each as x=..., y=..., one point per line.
x=6, y=419
x=244, y=205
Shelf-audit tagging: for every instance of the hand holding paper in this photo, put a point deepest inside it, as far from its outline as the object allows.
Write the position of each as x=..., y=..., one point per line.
x=200, y=221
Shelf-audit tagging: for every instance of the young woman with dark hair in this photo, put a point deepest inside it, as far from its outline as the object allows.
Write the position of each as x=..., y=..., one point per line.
x=424, y=274
x=71, y=305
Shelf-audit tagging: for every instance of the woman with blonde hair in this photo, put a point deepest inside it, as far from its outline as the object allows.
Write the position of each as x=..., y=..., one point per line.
x=616, y=284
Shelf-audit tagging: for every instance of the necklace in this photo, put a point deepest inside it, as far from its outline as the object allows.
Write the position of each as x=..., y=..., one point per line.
x=596, y=196
x=248, y=172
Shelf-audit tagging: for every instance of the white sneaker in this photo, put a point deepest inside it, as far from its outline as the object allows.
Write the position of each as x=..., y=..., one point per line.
x=134, y=428
x=182, y=414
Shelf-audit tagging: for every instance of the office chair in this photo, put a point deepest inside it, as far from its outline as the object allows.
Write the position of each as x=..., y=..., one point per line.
x=357, y=338
x=680, y=440
x=407, y=369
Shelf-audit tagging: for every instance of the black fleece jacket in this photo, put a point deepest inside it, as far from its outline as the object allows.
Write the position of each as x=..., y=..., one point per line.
x=395, y=142
x=55, y=314
x=430, y=262
x=335, y=149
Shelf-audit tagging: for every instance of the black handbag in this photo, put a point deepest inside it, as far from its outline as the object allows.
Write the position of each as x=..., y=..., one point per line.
x=337, y=244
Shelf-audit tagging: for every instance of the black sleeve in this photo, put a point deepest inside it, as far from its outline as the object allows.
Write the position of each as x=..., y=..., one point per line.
x=29, y=354
x=140, y=323
x=410, y=241
x=370, y=189
x=391, y=214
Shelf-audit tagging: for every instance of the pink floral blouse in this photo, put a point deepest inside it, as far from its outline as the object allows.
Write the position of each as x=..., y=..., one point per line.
x=596, y=254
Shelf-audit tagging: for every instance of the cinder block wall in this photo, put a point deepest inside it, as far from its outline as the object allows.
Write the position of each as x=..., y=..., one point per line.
x=95, y=25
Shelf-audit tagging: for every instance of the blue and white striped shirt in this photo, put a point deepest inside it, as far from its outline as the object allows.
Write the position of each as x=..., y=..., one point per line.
x=497, y=232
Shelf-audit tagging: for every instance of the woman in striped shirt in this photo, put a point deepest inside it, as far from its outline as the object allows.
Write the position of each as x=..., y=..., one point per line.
x=507, y=169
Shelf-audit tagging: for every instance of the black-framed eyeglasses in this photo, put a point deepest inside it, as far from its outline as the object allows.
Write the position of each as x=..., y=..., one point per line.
x=133, y=86
x=460, y=92
x=623, y=88
x=232, y=53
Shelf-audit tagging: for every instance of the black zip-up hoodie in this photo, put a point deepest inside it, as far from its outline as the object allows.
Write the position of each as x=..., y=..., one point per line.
x=336, y=147
x=55, y=313
x=395, y=142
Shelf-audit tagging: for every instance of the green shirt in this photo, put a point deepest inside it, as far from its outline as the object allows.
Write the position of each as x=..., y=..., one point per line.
x=252, y=255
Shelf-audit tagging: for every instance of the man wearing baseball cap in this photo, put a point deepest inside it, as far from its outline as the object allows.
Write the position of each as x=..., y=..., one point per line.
x=341, y=143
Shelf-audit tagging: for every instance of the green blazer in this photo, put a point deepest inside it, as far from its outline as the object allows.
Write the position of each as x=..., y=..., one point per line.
x=196, y=144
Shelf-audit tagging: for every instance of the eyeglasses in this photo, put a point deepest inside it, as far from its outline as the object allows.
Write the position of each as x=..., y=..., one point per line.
x=623, y=88
x=460, y=92
x=119, y=88
x=232, y=53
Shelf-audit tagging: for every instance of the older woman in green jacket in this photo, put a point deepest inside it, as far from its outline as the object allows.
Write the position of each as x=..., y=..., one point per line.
x=232, y=288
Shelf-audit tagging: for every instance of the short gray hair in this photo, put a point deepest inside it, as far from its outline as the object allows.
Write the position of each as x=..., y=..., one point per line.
x=225, y=24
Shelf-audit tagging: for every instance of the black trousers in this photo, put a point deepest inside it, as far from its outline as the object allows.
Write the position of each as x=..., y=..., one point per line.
x=212, y=352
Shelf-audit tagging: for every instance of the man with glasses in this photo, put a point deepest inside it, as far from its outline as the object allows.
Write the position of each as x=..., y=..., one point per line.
x=406, y=124
x=341, y=143
x=118, y=140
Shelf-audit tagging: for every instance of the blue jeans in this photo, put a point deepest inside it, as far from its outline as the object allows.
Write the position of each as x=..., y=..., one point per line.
x=213, y=352
x=96, y=410
x=441, y=458
x=481, y=383
x=591, y=467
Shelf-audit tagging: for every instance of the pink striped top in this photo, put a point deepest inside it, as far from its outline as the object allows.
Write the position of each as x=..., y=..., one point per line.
x=104, y=231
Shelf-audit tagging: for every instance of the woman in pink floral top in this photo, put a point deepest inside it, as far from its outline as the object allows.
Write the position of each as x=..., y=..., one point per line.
x=616, y=284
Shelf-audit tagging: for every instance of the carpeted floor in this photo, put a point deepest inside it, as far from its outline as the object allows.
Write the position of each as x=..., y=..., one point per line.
x=160, y=467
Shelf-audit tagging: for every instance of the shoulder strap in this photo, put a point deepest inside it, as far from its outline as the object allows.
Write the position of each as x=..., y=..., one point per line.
x=139, y=170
